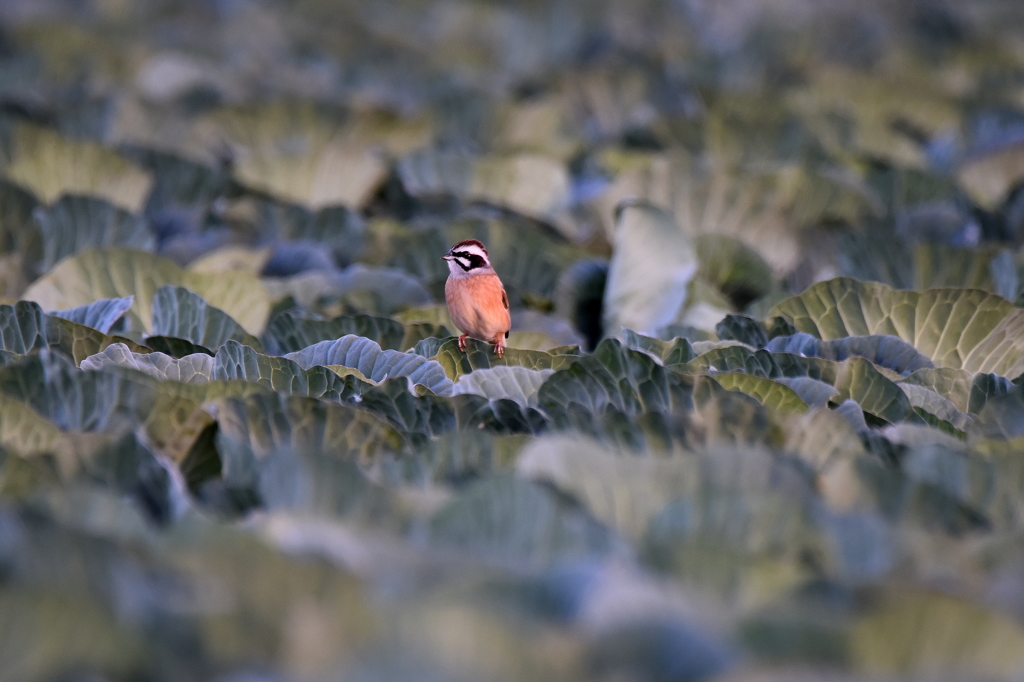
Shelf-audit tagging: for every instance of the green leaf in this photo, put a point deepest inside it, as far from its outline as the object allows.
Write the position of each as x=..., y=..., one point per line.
x=620, y=488
x=772, y=394
x=702, y=347
x=930, y=634
x=179, y=313
x=296, y=151
x=374, y=363
x=431, y=415
x=176, y=348
x=287, y=332
x=1001, y=417
x=22, y=478
x=45, y=632
x=76, y=223
x=338, y=228
x=761, y=363
x=959, y=328
x=117, y=273
x=18, y=233
x=504, y=382
x=675, y=352
x=75, y=400
x=779, y=326
x=734, y=268
x=24, y=328
x=466, y=455
x=427, y=415
x=984, y=387
x=812, y=391
x=317, y=482
x=518, y=522
x=191, y=369
x=652, y=263
x=235, y=361
x=51, y=166
x=532, y=184
x=382, y=291
x=855, y=378
x=344, y=371
x=743, y=329
x=934, y=404
x=668, y=500
x=989, y=176
x=480, y=355
x=103, y=315
x=952, y=384
x=27, y=433
x=429, y=346
x=989, y=268
x=890, y=352
x=178, y=181
x=631, y=382
x=251, y=429
x=952, y=469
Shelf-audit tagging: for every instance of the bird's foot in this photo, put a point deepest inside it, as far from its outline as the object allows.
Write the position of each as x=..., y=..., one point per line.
x=462, y=342
x=499, y=346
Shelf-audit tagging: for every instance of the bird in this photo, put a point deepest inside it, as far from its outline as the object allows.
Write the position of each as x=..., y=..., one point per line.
x=476, y=299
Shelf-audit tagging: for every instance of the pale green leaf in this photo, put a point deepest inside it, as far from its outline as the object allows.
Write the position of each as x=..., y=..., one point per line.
x=116, y=273
x=191, y=369
x=652, y=263
x=933, y=635
x=772, y=394
x=959, y=328
x=504, y=382
x=51, y=165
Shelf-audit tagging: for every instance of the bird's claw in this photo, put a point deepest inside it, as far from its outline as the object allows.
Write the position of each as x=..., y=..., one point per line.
x=462, y=343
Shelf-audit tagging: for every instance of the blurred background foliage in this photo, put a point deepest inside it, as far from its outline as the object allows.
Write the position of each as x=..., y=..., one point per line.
x=761, y=417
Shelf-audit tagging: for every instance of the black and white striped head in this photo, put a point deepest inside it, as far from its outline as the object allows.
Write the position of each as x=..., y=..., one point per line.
x=468, y=257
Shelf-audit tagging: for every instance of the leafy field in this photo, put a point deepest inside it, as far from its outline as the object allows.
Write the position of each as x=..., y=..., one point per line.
x=761, y=416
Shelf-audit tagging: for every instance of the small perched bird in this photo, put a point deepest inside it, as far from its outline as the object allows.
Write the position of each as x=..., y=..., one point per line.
x=476, y=300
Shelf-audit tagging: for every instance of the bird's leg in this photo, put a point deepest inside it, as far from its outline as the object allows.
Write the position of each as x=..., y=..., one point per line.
x=499, y=344
x=462, y=342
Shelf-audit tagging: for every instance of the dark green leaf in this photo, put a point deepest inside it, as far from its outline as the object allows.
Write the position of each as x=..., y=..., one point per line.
x=675, y=352
x=287, y=332
x=179, y=313
x=254, y=428
x=235, y=361
x=76, y=223
x=175, y=347
x=743, y=329
x=629, y=381
x=885, y=351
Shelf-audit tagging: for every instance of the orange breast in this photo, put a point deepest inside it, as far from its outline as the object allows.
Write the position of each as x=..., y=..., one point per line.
x=477, y=306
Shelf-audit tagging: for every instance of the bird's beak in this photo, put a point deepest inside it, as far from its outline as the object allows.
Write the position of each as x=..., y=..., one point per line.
x=447, y=256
